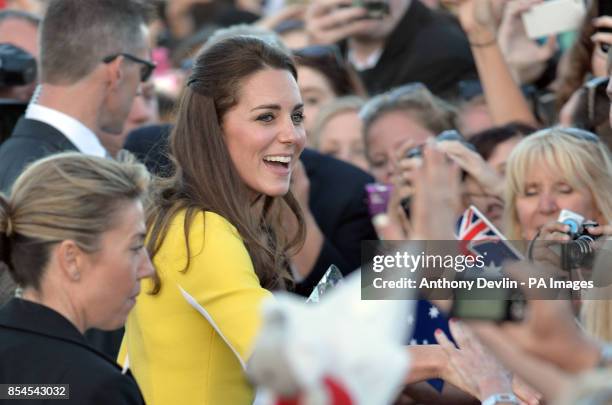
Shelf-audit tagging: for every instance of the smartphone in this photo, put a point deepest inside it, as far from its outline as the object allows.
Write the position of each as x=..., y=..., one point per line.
x=378, y=198
x=502, y=305
x=377, y=9
x=604, y=9
x=553, y=17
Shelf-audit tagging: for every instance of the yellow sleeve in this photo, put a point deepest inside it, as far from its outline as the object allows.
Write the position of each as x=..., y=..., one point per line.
x=220, y=282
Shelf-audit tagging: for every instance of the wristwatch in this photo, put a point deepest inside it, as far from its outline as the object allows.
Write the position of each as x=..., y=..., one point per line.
x=503, y=398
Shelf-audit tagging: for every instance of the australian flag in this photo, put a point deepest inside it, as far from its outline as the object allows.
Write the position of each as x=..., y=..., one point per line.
x=428, y=318
x=478, y=236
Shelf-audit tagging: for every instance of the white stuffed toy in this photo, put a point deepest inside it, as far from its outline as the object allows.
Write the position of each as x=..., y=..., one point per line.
x=341, y=351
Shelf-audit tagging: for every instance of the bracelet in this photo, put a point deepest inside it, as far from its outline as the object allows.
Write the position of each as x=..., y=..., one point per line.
x=484, y=44
x=496, y=398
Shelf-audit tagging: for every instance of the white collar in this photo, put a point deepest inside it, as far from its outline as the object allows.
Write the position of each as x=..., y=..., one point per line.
x=369, y=63
x=82, y=137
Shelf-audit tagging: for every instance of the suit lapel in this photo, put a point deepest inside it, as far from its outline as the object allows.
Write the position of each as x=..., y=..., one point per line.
x=42, y=132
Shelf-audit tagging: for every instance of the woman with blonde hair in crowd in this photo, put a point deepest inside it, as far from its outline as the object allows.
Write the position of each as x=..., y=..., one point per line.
x=337, y=131
x=556, y=169
x=72, y=236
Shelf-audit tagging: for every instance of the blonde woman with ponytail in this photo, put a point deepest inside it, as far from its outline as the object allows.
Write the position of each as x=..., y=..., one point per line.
x=72, y=237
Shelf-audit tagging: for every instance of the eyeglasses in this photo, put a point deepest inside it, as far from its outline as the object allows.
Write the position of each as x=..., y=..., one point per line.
x=408, y=92
x=147, y=66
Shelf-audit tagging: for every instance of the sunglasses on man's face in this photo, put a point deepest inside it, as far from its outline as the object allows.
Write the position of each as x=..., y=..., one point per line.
x=146, y=69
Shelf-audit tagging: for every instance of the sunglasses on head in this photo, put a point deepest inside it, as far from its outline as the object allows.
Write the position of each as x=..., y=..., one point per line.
x=581, y=134
x=146, y=69
x=331, y=52
x=391, y=97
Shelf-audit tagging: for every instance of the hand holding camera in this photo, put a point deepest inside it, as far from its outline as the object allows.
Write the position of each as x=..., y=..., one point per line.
x=569, y=242
x=527, y=58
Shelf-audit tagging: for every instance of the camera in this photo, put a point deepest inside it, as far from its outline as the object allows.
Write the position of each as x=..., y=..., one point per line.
x=417, y=151
x=449, y=135
x=489, y=304
x=579, y=251
x=17, y=67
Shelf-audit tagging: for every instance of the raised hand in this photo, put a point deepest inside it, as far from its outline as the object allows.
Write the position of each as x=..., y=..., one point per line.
x=477, y=19
x=331, y=21
x=526, y=57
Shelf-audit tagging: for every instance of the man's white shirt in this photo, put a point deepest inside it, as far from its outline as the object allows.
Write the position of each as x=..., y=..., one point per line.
x=82, y=137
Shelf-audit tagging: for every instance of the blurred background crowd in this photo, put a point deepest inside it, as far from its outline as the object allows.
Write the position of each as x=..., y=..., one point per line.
x=413, y=111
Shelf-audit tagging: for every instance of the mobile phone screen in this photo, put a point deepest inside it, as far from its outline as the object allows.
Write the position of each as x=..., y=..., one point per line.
x=605, y=9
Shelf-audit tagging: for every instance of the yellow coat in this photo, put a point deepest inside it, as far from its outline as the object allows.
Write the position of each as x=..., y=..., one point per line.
x=177, y=355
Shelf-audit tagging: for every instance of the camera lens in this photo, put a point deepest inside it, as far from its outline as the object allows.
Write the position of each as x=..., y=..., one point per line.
x=579, y=253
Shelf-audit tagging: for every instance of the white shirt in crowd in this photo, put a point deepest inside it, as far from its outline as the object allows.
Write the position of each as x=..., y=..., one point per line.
x=82, y=137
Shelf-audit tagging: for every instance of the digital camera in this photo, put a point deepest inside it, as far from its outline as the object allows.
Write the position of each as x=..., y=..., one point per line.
x=17, y=67
x=579, y=252
x=449, y=135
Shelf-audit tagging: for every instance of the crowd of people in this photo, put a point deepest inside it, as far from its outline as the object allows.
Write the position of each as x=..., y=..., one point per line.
x=176, y=163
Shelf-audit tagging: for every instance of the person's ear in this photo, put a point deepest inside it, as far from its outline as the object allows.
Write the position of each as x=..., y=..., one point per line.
x=114, y=74
x=71, y=259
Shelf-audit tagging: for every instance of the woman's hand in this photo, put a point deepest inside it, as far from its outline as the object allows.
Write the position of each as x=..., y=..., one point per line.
x=526, y=57
x=436, y=198
x=600, y=230
x=330, y=21
x=549, y=331
x=470, y=161
x=477, y=19
x=479, y=373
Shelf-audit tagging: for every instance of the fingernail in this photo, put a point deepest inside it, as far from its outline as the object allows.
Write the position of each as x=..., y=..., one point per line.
x=438, y=331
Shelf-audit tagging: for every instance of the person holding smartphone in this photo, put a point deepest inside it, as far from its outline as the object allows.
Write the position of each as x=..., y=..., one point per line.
x=409, y=43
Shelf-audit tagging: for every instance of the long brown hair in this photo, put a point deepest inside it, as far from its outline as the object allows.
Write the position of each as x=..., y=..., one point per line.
x=205, y=178
x=576, y=63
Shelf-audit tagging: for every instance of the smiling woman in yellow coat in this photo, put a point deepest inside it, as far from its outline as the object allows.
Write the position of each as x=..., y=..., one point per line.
x=215, y=231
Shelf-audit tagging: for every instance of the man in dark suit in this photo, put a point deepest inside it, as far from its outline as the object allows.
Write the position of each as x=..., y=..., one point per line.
x=93, y=55
x=337, y=201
